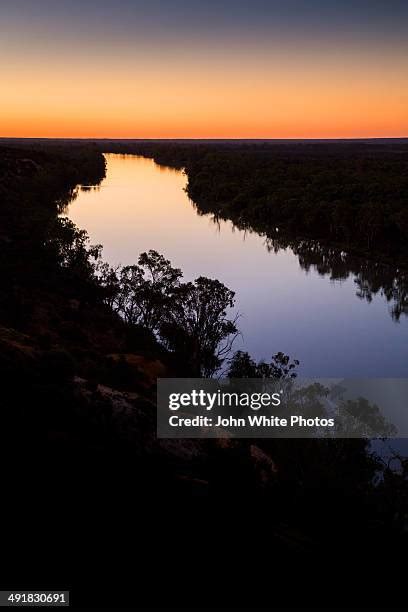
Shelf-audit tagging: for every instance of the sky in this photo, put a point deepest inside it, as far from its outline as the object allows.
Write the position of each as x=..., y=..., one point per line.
x=204, y=69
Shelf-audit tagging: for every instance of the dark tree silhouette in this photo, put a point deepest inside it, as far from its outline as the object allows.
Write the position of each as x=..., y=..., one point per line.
x=197, y=327
x=143, y=292
x=241, y=365
x=190, y=318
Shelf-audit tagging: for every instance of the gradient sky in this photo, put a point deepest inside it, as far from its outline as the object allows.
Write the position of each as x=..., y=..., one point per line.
x=204, y=69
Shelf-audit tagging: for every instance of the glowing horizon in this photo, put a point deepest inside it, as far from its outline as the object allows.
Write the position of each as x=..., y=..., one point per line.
x=291, y=69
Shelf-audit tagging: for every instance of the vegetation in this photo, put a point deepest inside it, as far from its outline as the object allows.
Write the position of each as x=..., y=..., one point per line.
x=341, y=207
x=350, y=194
x=188, y=318
x=243, y=366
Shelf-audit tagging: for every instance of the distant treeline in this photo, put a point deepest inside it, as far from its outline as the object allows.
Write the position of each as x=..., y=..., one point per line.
x=350, y=194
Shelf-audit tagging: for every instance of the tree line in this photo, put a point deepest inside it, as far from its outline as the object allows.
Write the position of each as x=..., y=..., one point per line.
x=351, y=194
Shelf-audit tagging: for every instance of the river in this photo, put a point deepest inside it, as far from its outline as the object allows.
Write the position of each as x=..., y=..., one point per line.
x=338, y=315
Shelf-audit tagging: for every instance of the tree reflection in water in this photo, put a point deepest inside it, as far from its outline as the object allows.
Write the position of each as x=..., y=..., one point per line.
x=371, y=277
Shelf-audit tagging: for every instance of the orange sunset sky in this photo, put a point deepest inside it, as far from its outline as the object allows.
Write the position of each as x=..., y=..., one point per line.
x=203, y=70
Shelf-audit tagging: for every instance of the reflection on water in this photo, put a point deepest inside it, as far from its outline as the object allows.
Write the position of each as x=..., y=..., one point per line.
x=370, y=277
x=327, y=308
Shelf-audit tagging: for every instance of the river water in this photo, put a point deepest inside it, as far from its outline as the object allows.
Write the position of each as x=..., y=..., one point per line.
x=338, y=315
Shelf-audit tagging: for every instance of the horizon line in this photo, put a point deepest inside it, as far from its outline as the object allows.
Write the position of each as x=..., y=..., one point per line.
x=213, y=139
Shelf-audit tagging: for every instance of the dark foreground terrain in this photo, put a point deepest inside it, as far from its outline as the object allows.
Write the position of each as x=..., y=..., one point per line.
x=92, y=501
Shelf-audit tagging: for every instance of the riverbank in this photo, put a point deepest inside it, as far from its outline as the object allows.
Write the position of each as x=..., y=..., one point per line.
x=345, y=194
x=78, y=381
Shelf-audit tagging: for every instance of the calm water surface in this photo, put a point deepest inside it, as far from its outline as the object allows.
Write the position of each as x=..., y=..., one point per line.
x=283, y=306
